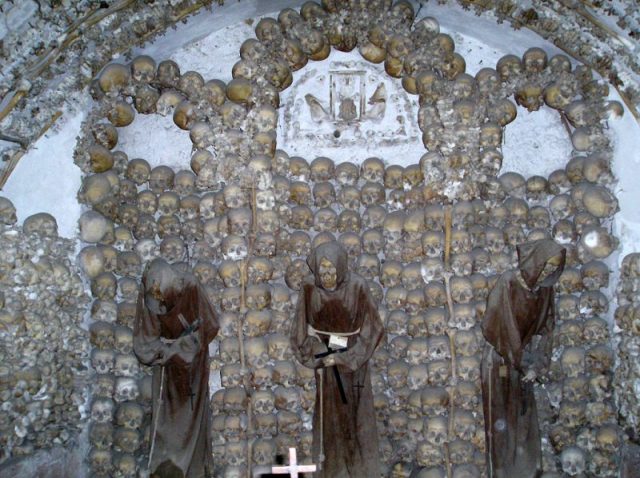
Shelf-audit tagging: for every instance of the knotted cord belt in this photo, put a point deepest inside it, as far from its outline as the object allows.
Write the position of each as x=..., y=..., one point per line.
x=313, y=332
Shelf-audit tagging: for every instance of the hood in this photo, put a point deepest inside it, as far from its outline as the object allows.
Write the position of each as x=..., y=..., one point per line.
x=334, y=253
x=533, y=256
x=163, y=277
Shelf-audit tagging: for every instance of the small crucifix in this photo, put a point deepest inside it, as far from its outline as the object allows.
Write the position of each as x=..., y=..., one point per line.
x=293, y=469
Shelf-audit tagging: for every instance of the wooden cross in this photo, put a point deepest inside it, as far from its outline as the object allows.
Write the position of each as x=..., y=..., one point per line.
x=293, y=469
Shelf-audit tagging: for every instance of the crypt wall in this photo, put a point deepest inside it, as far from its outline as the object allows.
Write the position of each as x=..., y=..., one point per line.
x=247, y=205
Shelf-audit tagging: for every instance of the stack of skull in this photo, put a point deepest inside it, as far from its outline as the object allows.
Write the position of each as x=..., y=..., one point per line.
x=246, y=215
x=627, y=330
x=44, y=350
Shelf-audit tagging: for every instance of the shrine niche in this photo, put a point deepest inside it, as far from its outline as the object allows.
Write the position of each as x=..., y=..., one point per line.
x=430, y=238
x=354, y=105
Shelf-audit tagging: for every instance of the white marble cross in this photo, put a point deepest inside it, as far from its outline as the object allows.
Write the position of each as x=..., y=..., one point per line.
x=293, y=469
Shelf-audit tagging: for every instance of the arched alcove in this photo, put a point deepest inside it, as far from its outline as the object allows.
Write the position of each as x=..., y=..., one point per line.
x=156, y=139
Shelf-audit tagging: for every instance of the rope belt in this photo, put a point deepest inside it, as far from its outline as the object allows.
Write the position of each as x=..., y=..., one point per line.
x=316, y=333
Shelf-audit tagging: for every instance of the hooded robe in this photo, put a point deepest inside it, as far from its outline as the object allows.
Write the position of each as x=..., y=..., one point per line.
x=183, y=431
x=517, y=325
x=347, y=431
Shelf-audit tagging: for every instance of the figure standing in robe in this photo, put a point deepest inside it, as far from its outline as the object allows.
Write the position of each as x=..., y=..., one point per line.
x=335, y=304
x=174, y=324
x=518, y=323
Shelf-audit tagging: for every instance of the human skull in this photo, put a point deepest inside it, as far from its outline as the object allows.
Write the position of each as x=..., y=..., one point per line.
x=417, y=379
x=596, y=242
x=462, y=264
x=104, y=385
x=372, y=194
x=466, y=343
x=468, y=368
x=569, y=333
x=349, y=221
x=240, y=221
x=439, y=372
x=368, y=266
x=418, y=351
x=573, y=460
x=397, y=374
x=593, y=302
x=279, y=347
x=300, y=193
x=464, y=426
x=372, y=169
x=173, y=249
x=599, y=358
x=436, y=430
x=101, y=461
x=234, y=247
x=130, y=415
x=432, y=269
x=398, y=347
x=573, y=361
x=258, y=296
x=415, y=303
x=230, y=300
x=232, y=375
x=435, y=317
x=126, y=365
x=102, y=410
x=126, y=389
x=439, y=348
x=430, y=455
x=101, y=436
x=574, y=389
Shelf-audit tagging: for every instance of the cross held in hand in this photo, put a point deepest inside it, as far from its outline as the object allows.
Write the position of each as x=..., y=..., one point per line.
x=293, y=469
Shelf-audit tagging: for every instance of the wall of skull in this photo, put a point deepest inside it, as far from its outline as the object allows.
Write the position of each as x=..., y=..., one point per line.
x=627, y=331
x=245, y=215
x=44, y=351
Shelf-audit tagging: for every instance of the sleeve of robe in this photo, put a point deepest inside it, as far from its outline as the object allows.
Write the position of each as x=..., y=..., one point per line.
x=499, y=325
x=370, y=335
x=210, y=325
x=304, y=346
x=539, y=351
x=148, y=346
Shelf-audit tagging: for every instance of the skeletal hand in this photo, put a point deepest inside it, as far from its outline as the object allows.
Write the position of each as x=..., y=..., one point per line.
x=329, y=361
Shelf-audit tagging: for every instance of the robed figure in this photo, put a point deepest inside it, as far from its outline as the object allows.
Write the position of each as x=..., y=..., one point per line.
x=335, y=312
x=517, y=325
x=174, y=324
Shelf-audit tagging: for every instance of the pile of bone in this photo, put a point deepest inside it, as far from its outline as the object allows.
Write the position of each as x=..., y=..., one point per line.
x=43, y=349
x=627, y=316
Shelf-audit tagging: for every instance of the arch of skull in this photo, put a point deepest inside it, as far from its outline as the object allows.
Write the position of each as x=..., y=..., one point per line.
x=430, y=238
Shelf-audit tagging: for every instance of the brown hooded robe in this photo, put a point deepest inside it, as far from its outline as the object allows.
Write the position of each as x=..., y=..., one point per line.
x=515, y=314
x=348, y=430
x=183, y=433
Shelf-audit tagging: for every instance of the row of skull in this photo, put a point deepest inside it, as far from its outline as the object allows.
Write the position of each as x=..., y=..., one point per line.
x=627, y=331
